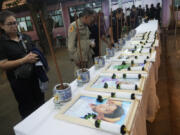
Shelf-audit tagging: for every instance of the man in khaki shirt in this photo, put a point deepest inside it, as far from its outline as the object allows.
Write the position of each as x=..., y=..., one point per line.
x=86, y=19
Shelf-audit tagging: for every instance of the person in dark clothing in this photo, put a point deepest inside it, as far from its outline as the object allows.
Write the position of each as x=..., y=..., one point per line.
x=15, y=53
x=133, y=17
x=117, y=24
x=111, y=27
x=147, y=13
x=114, y=26
x=152, y=12
x=140, y=14
x=128, y=12
x=144, y=12
x=50, y=25
x=158, y=13
x=93, y=28
x=140, y=11
x=121, y=18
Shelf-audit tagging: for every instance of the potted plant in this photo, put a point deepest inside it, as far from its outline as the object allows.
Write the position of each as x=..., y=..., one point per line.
x=83, y=75
x=62, y=91
x=62, y=94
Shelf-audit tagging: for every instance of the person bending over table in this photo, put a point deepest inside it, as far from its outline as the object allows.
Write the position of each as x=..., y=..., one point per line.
x=86, y=18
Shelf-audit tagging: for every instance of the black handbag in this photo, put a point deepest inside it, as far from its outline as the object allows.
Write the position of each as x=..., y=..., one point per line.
x=26, y=70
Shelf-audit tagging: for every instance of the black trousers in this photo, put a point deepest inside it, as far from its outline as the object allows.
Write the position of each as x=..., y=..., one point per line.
x=27, y=94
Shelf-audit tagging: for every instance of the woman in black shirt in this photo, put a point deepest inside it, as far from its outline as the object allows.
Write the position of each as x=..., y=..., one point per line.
x=15, y=52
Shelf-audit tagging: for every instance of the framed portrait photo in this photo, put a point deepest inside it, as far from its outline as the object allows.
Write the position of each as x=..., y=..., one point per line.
x=151, y=43
x=127, y=67
x=136, y=57
x=122, y=82
x=113, y=115
x=138, y=51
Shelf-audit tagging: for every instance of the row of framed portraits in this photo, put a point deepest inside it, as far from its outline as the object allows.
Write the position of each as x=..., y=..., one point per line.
x=111, y=113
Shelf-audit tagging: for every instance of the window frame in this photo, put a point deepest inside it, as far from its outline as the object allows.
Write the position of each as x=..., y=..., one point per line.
x=78, y=11
x=24, y=19
x=54, y=15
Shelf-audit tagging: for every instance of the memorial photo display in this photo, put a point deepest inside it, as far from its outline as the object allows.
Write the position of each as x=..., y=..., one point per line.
x=109, y=82
x=127, y=67
x=112, y=113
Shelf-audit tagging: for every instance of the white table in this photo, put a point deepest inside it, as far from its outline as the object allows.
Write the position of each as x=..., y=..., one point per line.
x=42, y=121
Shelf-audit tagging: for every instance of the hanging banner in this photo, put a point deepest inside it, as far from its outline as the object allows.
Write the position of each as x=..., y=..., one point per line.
x=12, y=3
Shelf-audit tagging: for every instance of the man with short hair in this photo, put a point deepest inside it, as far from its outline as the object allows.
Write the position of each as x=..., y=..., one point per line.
x=87, y=17
x=158, y=13
x=133, y=17
x=140, y=14
x=147, y=12
x=152, y=11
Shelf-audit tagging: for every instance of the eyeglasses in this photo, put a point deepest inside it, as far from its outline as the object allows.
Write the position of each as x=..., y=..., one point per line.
x=11, y=23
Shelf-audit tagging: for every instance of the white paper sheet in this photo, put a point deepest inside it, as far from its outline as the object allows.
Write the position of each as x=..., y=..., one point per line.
x=114, y=128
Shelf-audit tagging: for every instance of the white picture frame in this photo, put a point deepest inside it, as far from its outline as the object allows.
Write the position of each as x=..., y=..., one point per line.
x=70, y=113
